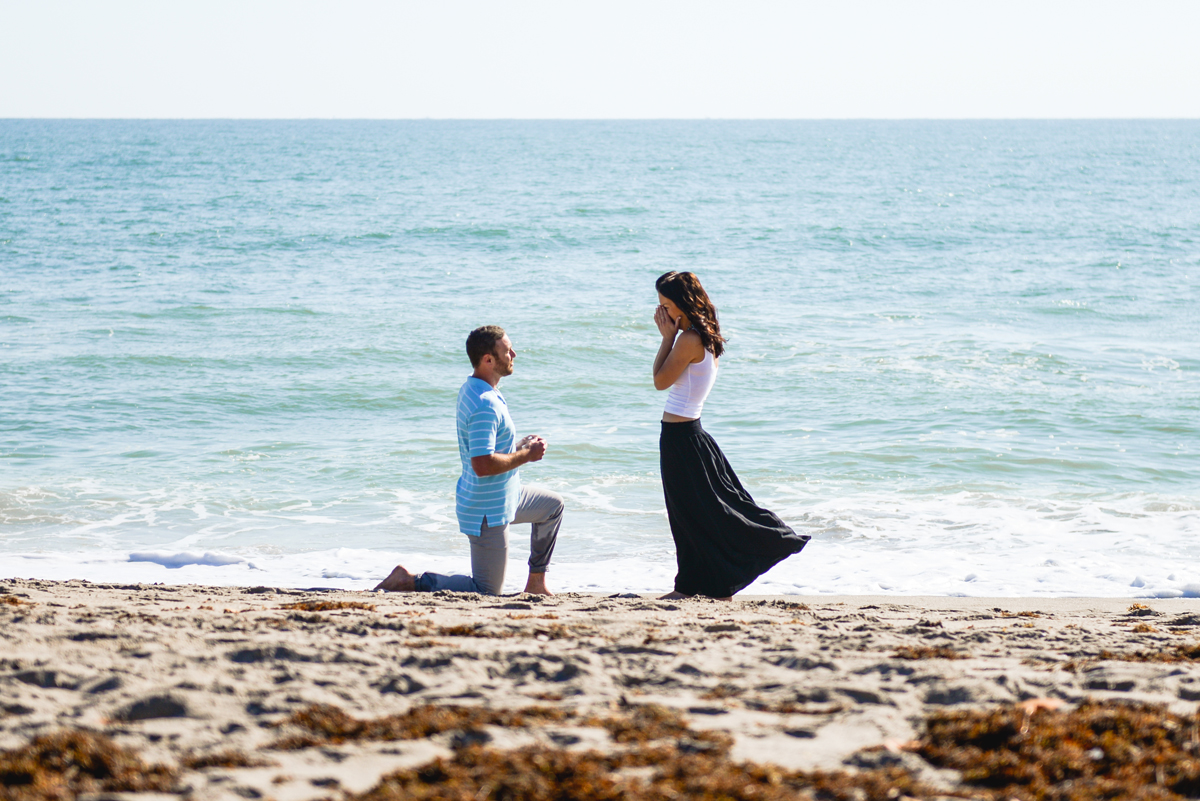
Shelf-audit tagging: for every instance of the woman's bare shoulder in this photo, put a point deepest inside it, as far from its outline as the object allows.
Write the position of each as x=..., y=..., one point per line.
x=692, y=344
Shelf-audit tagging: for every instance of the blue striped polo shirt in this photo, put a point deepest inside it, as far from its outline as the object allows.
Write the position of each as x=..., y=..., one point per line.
x=484, y=427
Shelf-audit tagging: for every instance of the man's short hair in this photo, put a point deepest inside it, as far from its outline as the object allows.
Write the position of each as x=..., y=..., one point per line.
x=482, y=342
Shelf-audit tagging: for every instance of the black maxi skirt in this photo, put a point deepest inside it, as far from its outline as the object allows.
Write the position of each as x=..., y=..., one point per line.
x=723, y=541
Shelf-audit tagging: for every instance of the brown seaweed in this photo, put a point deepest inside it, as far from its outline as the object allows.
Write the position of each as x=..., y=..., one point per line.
x=327, y=606
x=66, y=764
x=225, y=759
x=927, y=652
x=647, y=773
x=1101, y=750
x=325, y=724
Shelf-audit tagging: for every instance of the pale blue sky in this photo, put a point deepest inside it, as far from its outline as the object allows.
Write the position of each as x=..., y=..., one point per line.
x=611, y=59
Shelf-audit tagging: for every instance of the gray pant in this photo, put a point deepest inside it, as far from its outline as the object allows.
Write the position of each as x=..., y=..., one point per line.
x=489, y=551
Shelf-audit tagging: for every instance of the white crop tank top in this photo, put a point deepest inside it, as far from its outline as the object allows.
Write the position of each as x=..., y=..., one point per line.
x=690, y=390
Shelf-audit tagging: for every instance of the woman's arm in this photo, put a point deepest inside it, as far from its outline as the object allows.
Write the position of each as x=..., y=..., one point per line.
x=669, y=329
x=664, y=350
x=676, y=352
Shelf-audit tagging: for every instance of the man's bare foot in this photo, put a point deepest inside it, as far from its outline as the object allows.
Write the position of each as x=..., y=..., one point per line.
x=536, y=585
x=673, y=595
x=400, y=580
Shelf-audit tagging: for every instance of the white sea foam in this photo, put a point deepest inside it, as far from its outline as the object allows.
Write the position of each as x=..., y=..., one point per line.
x=616, y=538
x=961, y=544
x=824, y=568
x=185, y=559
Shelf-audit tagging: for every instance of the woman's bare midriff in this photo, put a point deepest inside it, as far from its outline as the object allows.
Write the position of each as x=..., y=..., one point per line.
x=674, y=418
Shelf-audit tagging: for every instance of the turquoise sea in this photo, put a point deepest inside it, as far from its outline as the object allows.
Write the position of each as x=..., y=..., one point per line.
x=964, y=356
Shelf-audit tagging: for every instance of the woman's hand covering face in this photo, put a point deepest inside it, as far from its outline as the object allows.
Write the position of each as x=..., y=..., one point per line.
x=666, y=326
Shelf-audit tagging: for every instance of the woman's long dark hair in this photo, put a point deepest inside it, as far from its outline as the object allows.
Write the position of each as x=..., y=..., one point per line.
x=684, y=290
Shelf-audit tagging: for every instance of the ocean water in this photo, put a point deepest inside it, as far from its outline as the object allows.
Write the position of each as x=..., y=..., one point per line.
x=963, y=356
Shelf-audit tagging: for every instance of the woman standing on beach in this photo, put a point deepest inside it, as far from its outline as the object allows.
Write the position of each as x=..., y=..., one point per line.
x=723, y=541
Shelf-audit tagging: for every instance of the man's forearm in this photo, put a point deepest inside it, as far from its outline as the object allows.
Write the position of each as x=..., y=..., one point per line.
x=496, y=463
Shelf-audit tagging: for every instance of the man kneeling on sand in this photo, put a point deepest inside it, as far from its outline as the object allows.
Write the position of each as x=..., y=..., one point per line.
x=490, y=495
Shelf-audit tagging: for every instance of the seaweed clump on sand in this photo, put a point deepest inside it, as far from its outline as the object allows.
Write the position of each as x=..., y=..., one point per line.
x=656, y=757
x=549, y=774
x=927, y=652
x=1100, y=750
x=328, y=606
x=1180, y=653
x=67, y=764
x=462, y=630
x=325, y=724
x=648, y=723
x=225, y=759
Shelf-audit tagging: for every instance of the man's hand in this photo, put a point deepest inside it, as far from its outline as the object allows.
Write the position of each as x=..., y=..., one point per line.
x=530, y=449
x=536, y=447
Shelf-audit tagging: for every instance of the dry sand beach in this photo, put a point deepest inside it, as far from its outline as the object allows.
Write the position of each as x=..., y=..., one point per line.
x=211, y=693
